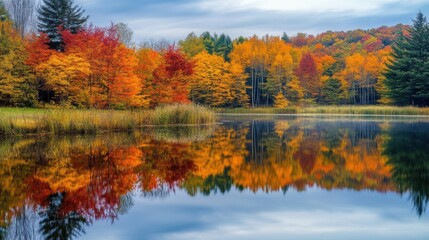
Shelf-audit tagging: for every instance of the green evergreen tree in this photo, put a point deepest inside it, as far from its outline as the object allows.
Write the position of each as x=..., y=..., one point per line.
x=223, y=46
x=408, y=152
x=209, y=42
x=54, y=15
x=285, y=38
x=55, y=225
x=333, y=92
x=220, y=45
x=3, y=13
x=407, y=76
x=239, y=40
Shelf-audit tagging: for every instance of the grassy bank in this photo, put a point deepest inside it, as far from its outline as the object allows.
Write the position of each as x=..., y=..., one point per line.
x=366, y=110
x=267, y=110
x=15, y=121
x=355, y=110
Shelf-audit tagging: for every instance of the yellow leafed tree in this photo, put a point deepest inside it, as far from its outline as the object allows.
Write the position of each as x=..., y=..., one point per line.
x=67, y=76
x=280, y=71
x=280, y=101
x=17, y=86
x=217, y=83
x=361, y=74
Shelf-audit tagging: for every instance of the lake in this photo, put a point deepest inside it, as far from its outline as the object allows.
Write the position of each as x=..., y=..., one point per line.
x=249, y=177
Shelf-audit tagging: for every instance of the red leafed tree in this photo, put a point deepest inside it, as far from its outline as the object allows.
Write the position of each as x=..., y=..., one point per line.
x=307, y=74
x=39, y=53
x=171, y=78
x=113, y=81
x=97, y=45
x=38, y=50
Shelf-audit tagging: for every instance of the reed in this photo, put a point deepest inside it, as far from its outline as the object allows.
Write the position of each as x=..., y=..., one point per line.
x=366, y=110
x=349, y=110
x=63, y=121
x=182, y=114
x=259, y=110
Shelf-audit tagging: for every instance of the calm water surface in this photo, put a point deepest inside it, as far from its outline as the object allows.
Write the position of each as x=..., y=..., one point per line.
x=246, y=178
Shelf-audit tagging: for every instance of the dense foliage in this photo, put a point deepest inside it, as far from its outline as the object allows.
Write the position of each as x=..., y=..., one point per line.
x=407, y=77
x=16, y=80
x=72, y=64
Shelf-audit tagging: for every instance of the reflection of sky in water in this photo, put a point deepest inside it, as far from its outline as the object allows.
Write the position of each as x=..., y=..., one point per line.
x=312, y=214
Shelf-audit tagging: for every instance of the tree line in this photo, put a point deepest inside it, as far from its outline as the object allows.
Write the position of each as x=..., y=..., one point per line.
x=70, y=62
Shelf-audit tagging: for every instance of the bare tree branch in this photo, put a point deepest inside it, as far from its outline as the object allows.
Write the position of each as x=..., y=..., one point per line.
x=125, y=34
x=22, y=13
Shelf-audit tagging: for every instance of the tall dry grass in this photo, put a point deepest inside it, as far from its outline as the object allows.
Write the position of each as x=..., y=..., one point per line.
x=355, y=110
x=258, y=110
x=65, y=121
x=366, y=110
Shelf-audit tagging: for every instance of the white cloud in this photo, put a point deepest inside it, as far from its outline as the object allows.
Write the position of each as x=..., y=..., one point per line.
x=351, y=6
x=174, y=19
x=307, y=224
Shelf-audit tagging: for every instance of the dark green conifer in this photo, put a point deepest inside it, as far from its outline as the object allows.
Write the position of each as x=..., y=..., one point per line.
x=54, y=15
x=223, y=46
x=3, y=12
x=209, y=42
x=407, y=75
x=285, y=38
x=220, y=45
x=332, y=92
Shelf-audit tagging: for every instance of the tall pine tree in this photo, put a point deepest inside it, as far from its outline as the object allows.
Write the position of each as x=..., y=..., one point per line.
x=407, y=75
x=285, y=38
x=54, y=15
x=223, y=46
x=3, y=12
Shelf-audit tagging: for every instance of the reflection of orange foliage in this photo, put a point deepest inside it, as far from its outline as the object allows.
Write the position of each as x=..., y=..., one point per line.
x=94, y=177
x=294, y=158
x=366, y=158
x=225, y=149
x=165, y=163
x=93, y=180
x=62, y=177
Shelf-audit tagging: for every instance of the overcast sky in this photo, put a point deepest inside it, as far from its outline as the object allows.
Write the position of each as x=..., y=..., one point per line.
x=174, y=19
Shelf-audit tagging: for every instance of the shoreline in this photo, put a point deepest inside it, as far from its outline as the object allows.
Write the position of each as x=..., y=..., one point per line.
x=322, y=115
x=17, y=121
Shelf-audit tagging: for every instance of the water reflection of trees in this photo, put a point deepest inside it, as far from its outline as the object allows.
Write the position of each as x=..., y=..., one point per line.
x=57, y=224
x=72, y=182
x=79, y=180
x=270, y=156
x=23, y=225
x=408, y=151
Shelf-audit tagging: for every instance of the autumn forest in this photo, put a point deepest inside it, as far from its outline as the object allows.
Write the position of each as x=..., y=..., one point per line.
x=213, y=133
x=73, y=63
